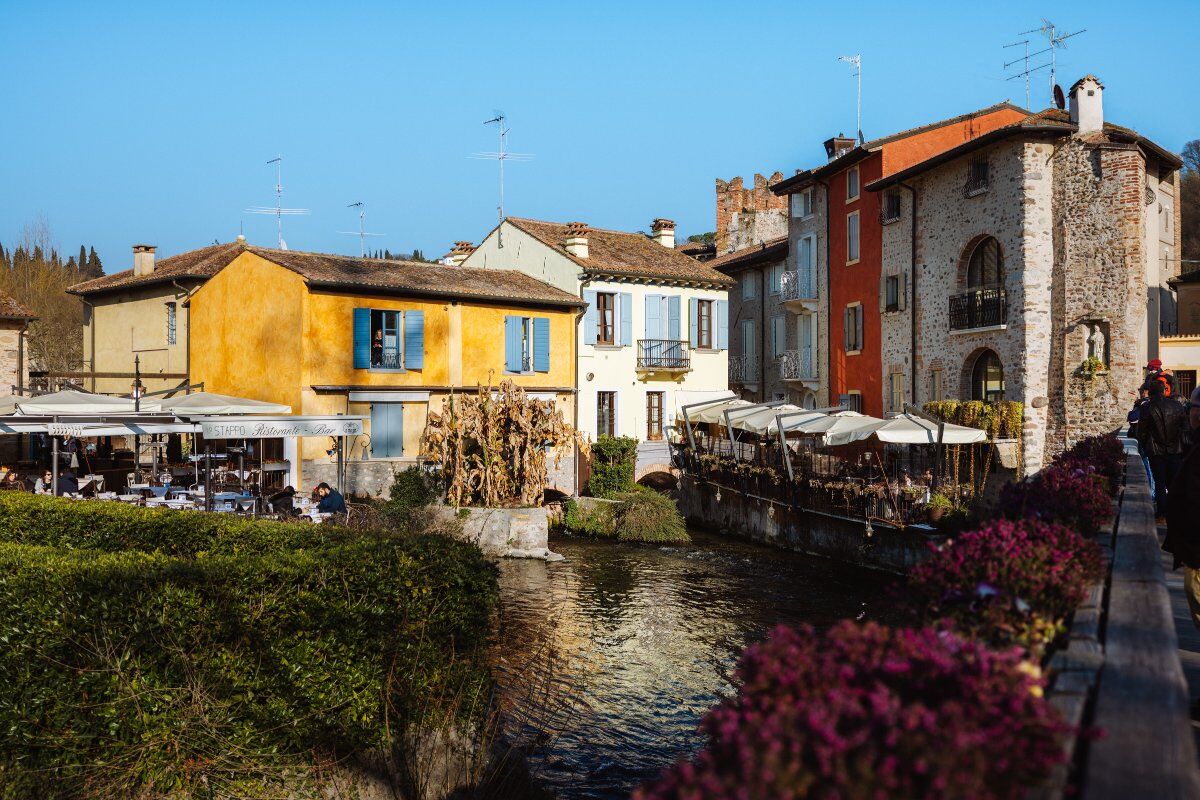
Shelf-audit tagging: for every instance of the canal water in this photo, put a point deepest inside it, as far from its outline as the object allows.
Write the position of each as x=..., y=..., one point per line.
x=606, y=661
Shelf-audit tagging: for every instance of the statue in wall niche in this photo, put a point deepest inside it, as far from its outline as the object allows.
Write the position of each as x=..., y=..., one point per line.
x=1096, y=342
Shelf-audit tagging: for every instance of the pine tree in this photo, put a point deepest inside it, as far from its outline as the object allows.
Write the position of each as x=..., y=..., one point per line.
x=94, y=268
x=82, y=262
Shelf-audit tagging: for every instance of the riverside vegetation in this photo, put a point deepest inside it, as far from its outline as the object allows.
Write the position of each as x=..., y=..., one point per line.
x=163, y=653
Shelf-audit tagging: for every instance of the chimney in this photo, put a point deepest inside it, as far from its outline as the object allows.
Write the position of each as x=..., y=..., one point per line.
x=459, y=254
x=1087, y=105
x=838, y=145
x=143, y=259
x=577, y=243
x=663, y=232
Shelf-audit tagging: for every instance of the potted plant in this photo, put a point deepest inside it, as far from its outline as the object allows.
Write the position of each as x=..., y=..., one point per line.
x=1092, y=366
x=939, y=504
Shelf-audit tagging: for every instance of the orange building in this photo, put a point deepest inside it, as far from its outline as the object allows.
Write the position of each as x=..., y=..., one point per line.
x=849, y=279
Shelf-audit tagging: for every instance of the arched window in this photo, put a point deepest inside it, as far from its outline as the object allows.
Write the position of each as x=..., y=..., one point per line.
x=985, y=271
x=987, y=378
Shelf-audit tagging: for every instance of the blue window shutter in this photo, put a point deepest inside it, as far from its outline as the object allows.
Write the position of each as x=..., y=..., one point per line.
x=396, y=429
x=722, y=324
x=512, y=344
x=673, y=332
x=626, y=320
x=362, y=338
x=654, y=316
x=589, y=318
x=541, y=344
x=387, y=430
x=414, y=339
x=693, y=323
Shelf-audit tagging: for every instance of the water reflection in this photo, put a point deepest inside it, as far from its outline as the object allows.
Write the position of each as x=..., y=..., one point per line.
x=609, y=658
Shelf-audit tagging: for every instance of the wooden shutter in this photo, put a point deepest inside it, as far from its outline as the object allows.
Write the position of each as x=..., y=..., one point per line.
x=673, y=330
x=362, y=338
x=626, y=312
x=590, y=332
x=387, y=430
x=846, y=324
x=654, y=322
x=693, y=322
x=541, y=344
x=902, y=290
x=512, y=344
x=414, y=339
x=722, y=324
x=858, y=323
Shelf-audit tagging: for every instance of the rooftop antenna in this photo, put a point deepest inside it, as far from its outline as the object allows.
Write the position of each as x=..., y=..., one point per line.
x=1055, y=39
x=360, y=233
x=1025, y=72
x=855, y=62
x=279, y=211
x=501, y=156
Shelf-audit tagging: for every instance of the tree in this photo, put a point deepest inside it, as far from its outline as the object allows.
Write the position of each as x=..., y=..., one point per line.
x=703, y=238
x=1189, y=205
x=94, y=268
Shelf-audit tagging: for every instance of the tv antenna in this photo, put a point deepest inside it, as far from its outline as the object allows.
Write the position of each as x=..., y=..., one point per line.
x=501, y=156
x=360, y=233
x=855, y=62
x=1023, y=73
x=1055, y=39
x=279, y=211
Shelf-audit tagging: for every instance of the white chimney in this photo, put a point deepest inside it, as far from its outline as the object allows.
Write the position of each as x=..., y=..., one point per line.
x=1087, y=104
x=663, y=232
x=577, y=242
x=143, y=259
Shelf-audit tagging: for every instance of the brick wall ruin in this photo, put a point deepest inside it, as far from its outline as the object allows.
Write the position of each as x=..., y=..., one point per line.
x=746, y=217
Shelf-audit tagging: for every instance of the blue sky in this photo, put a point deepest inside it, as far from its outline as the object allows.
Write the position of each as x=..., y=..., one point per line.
x=128, y=123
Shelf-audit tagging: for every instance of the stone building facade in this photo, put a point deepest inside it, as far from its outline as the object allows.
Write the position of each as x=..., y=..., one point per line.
x=1037, y=247
x=749, y=217
x=14, y=361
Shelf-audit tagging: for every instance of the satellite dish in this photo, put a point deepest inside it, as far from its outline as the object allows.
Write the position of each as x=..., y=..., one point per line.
x=1060, y=102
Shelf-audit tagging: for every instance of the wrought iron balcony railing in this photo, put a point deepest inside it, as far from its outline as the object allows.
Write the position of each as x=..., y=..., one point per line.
x=982, y=308
x=798, y=365
x=663, y=354
x=743, y=369
x=387, y=358
x=798, y=285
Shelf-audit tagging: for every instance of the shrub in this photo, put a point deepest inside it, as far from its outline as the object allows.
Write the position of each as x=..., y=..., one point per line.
x=1008, y=583
x=650, y=517
x=595, y=519
x=613, y=462
x=113, y=527
x=412, y=488
x=868, y=711
x=1001, y=420
x=1074, y=495
x=1105, y=453
x=138, y=673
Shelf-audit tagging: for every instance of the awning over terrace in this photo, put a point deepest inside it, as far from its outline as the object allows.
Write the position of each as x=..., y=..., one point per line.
x=212, y=404
x=909, y=429
x=763, y=422
x=72, y=403
x=715, y=413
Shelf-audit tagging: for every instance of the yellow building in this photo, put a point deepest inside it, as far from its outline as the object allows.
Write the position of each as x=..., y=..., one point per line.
x=387, y=340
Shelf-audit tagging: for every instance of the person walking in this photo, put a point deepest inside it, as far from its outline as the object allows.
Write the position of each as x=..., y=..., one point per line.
x=1132, y=418
x=1183, y=534
x=1162, y=425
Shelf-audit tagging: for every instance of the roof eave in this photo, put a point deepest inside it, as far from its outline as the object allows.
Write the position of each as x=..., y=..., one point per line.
x=603, y=272
x=137, y=284
x=484, y=298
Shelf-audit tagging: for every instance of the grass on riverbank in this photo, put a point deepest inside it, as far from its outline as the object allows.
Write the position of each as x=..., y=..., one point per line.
x=643, y=516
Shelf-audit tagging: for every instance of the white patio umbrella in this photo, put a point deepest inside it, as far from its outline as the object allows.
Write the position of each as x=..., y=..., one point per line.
x=908, y=429
x=763, y=421
x=72, y=403
x=212, y=404
x=715, y=412
x=835, y=429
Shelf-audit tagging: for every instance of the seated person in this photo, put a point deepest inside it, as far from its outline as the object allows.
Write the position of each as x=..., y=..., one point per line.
x=44, y=484
x=68, y=483
x=283, y=502
x=13, y=481
x=331, y=500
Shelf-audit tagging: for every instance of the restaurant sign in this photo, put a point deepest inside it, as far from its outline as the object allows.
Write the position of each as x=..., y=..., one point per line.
x=280, y=428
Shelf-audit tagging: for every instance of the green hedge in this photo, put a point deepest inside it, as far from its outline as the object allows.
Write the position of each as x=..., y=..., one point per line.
x=143, y=674
x=613, y=461
x=115, y=527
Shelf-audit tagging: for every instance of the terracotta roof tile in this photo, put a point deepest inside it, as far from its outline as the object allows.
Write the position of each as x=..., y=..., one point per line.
x=346, y=272
x=771, y=250
x=622, y=253
x=10, y=308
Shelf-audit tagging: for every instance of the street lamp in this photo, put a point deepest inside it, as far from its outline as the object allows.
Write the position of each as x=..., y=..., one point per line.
x=138, y=389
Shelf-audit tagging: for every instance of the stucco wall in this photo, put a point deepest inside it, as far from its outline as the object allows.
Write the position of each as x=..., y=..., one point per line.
x=134, y=323
x=10, y=357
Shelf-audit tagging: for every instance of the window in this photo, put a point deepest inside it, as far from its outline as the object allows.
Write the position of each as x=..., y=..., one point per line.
x=776, y=277
x=852, y=184
x=852, y=238
x=749, y=286
x=985, y=270
x=891, y=293
x=749, y=346
x=654, y=422
x=526, y=344
x=805, y=261
x=802, y=204
x=704, y=324
x=387, y=430
x=853, y=324
x=1185, y=382
x=852, y=400
x=386, y=339
x=977, y=176
x=936, y=390
x=987, y=378
x=606, y=318
x=891, y=207
x=896, y=385
x=606, y=413
x=387, y=345
x=778, y=336
x=171, y=323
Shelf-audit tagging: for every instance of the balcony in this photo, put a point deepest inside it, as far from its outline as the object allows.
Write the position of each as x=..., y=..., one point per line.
x=799, y=366
x=798, y=290
x=743, y=369
x=390, y=358
x=978, y=310
x=663, y=355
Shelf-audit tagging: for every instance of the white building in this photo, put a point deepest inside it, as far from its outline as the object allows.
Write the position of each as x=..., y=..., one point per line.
x=656, y=329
